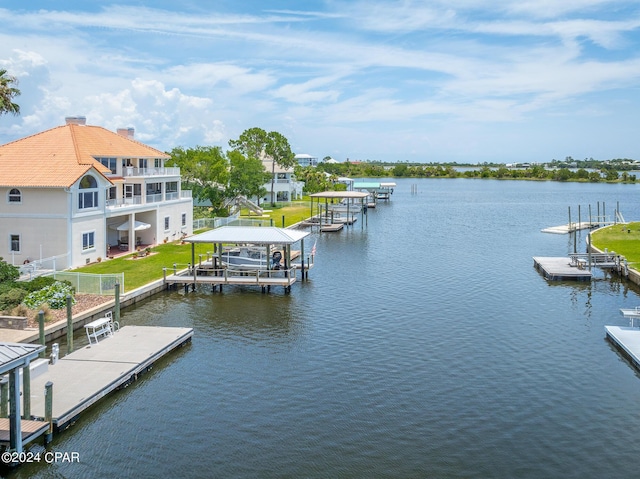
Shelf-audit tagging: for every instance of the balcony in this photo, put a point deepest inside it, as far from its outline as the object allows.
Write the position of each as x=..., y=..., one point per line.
x=148, y=199
x=130, y=171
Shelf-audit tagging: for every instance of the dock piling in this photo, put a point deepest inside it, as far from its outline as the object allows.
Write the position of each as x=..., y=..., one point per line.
x=69, y=326
x=41, y=329
x=48, y=410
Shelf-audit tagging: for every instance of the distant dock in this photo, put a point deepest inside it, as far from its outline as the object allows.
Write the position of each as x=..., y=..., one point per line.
x=571, y=227
x=82, y=378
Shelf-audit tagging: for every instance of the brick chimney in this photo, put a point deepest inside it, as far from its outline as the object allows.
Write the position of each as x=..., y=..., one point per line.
x=126, y=132
x=75, y=120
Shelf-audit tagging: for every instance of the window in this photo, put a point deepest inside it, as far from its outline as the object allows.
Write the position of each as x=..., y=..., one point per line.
x=15, y=196
x=184, y=219
x=111, y=163
x=154, y=188
x=157, y=163
x=14, y=243
x=88, y=240
x=166, y=223
x=88, y=195
x=172, y=186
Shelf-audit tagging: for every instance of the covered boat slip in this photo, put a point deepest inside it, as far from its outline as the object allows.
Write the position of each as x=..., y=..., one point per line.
x=339, y=208
x=379, y=191
x=246, y=255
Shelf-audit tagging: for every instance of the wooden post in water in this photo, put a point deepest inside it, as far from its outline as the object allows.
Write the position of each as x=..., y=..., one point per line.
x=41, y=329
x=589, y=249
x=116, y=307
x=26, y=392
x=4, y=397
x=48, y=410
x=69, y=326
x=579, y=216
x=569, y=218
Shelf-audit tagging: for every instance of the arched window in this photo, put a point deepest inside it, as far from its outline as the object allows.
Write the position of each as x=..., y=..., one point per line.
x=88, y=195
x=15, y=196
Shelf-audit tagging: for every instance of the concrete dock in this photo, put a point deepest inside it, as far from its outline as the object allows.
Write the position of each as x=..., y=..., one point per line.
x=85, y=376
x=627, y=340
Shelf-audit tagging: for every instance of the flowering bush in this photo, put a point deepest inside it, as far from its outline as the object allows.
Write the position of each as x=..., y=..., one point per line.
x=55, y=296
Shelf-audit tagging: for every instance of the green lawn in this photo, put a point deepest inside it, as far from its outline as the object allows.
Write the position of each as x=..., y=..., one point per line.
x=140, y=271
x=624, y=239
x=293, y=213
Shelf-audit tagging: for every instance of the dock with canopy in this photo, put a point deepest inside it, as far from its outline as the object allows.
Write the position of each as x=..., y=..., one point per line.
x=246, y=255
x=342, y=209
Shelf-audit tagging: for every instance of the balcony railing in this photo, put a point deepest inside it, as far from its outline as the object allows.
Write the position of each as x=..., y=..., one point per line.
x=128, y=171
x=154, y=198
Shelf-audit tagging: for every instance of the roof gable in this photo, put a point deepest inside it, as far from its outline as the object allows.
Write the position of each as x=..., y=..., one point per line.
x=60, y=156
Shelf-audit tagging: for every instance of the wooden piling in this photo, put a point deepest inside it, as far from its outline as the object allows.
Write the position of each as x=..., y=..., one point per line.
x=48, y=410
x=43, y=353
x=69, y=326
x=4, y=397
x=26, y=392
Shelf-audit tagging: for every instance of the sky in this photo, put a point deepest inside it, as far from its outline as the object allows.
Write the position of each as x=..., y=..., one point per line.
x=467, y=81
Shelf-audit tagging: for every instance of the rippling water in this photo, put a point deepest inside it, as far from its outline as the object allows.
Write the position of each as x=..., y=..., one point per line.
x=424, y=345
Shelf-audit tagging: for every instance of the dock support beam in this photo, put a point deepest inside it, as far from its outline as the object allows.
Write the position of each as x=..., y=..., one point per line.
x=15, y=424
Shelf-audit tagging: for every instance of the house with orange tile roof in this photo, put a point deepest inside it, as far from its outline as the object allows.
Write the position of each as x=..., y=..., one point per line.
x=79, y=192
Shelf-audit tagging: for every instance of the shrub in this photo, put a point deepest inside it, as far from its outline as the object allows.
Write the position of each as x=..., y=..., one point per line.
x=8, y=272
x=12, y=298
x=38, y=283
x=55, y=296
x=20, y=310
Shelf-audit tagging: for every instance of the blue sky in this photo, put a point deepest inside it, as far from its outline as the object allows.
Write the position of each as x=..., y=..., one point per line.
x=429, y=81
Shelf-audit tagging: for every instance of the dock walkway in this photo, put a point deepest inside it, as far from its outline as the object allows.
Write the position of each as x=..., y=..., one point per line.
x=560, y=269
x=627, y=340
x=85, y=376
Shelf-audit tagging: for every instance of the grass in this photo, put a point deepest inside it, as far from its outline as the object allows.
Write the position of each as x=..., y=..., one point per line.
x=140, y=271
x=292, y=213
x=623, y=239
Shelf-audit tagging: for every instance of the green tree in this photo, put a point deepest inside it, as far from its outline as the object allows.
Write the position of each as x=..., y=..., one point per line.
x=255, y=142
x=8, y=92
x=247, y=176
x=205, y=171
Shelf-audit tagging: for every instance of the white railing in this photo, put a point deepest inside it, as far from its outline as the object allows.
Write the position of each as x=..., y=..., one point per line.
x=42, y=266
x=129, y=171
x=116, y=203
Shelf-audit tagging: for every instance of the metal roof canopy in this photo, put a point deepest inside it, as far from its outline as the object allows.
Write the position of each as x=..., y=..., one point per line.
x=259, y=235
x=340, y=194
x=17, y=355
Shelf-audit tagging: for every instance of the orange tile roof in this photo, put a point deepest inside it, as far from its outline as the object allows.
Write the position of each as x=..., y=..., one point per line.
x=60, y=156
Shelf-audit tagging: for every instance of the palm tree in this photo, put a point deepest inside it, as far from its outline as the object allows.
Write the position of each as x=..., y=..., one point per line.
x=7, y=93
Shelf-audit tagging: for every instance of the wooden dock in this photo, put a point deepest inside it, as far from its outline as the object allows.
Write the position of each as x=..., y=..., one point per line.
x=331, y=227
x=83, y=377
x=206, y=274
x=627, y=340
x=560, y=269
x=571, y=227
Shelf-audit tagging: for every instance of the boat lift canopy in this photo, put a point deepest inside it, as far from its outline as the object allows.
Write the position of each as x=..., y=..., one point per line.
x=258, y=235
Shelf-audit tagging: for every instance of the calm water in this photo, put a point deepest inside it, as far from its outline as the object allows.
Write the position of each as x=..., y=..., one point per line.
x=424, y=345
